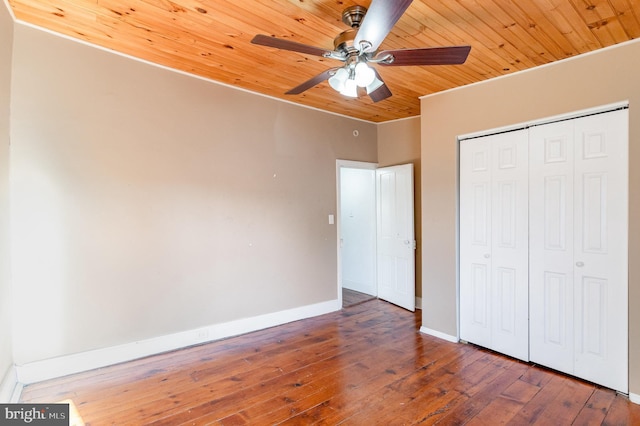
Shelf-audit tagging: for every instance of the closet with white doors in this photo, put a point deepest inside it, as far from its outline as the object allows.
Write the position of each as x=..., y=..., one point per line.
x=566, y=305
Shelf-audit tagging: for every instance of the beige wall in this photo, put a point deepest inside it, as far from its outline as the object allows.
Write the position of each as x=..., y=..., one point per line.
x=148, y=202
x=6, y=42
x=608, y=76
x=399, y=143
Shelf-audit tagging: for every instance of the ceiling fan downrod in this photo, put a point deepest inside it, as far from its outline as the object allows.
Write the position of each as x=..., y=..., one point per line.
x=353, y=17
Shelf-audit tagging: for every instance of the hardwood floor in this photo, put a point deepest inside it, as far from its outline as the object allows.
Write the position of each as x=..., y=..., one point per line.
x=364, y=365
x=352, y=298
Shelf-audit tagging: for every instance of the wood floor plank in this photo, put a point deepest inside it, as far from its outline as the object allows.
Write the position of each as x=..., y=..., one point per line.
x=622, y=412
x=259, y=385
x=596, y=408
x=304, y=380
x=367, y=364
x=486, y=393
x=323, y=366
x=437, y=394
x=351, y=297
x=564, y=408
x=344, y=405
x=538, y=376
x=129, y=372
x=378, y=365
x=507, y=405
x=534, y=409
x=499, y=412
x=224, y=374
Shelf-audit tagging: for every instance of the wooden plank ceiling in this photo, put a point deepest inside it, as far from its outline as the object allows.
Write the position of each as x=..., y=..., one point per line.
x=211, y=38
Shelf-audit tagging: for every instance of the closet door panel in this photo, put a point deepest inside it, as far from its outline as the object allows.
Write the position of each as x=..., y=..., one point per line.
x=510, y=245
x=475, y=242
x=578, y=247
x=600, y=249
x=551, y=245
x=493, y=243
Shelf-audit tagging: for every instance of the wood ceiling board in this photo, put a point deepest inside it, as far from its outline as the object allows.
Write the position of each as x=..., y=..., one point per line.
x=571, y=26
x=211, y=38
x=548, y=40
x=517, y=30
x=627, y=17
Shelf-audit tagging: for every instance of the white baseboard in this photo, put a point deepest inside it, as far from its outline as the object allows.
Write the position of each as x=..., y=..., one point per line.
x=17, y=392
x=634, y=397
x=69, y=364
x=9, y=385
x=419, y=303
x=439, y=334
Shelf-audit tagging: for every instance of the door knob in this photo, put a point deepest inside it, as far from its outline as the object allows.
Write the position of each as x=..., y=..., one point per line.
x=579, y=264
x=487, y=255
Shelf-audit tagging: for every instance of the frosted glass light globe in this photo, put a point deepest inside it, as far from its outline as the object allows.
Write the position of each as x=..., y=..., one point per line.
x=364, y=75
x=338, y=80
x=350, y=88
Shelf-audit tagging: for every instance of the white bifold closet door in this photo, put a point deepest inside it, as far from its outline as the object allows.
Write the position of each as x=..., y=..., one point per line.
x=494, y=243
x=578, y=247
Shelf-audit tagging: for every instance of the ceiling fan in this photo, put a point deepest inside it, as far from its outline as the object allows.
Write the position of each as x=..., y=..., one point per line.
x=358, y=47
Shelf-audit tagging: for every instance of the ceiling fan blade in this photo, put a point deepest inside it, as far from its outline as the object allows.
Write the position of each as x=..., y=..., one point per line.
x=453, y=55
x=380, y=18
x=293, y=46
x=382, y=92
x=312, y=82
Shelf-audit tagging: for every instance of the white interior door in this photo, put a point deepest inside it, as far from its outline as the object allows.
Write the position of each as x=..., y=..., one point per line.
x=358, y=229
x=494, y=243
x=395, y=235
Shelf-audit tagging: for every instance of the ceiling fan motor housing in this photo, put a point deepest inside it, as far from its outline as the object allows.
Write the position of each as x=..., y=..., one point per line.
x=353, y=15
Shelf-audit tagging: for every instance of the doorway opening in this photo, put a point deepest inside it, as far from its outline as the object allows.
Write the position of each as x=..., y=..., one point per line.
x=376, y=241
x=356, y=232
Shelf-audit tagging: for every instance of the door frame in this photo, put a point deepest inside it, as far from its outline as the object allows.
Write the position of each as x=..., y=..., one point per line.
x=346, y=164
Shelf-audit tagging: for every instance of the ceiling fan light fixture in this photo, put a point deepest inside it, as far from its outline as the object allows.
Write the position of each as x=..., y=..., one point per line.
x=338, y=80
x=358, y=47
x=364, y=75
x=350, y=88
x=374, y=85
